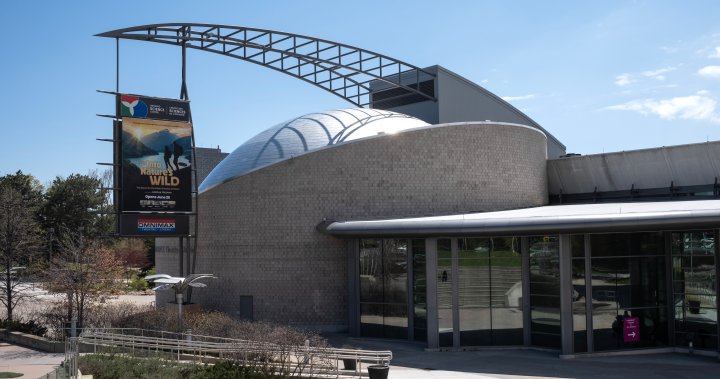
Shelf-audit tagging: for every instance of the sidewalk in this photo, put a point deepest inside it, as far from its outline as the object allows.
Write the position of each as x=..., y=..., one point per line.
x=30, y=363
x=410, y=361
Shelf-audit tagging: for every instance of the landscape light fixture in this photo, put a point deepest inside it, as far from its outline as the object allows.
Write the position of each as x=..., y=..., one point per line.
x=179, y=284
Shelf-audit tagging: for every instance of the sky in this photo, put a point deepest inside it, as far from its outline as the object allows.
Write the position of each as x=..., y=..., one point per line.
x=602, y=76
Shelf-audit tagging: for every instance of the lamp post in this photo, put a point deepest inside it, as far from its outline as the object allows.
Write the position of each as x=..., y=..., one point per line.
x=179, y=285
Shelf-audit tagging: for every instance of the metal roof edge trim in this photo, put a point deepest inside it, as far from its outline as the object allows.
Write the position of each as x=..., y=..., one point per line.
x=526, y=226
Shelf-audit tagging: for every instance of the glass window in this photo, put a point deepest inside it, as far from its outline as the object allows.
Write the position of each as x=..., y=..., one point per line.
x=419, y=290
x=578, y=294
x=371, y=286
x=383, y=288
x=507, y=291
x=628, y=281
x=627, y=244
x=694, y=289
x=474, y=291
x=395, y=271
x=544, y=291
x=444, y=292
x=490, y=291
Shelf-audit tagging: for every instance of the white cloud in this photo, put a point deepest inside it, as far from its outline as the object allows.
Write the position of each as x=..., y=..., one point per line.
x=694, y=107
x=484, y=81
x=716, y=53
x=624, y=79
x=657, y=74
x=516, y=98
x=710, y=71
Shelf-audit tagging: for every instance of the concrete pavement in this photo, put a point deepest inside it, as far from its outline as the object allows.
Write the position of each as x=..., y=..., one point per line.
x=30, y=363
x=410, y=361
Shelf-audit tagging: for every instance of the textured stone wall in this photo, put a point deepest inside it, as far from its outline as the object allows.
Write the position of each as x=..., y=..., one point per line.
x=257, y=232
x=166, y=249
x=206, y=160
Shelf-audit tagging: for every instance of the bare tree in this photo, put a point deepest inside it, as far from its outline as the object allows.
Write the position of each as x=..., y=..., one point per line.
x=86, y=271
x=18, y=243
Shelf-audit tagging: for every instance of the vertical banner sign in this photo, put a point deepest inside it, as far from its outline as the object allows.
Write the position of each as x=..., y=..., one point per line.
x=156, y=156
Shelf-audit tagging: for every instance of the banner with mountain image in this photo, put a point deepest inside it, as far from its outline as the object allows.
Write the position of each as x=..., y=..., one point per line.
x=156, y=166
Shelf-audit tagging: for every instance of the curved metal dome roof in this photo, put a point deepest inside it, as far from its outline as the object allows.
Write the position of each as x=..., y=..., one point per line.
x=304, y=134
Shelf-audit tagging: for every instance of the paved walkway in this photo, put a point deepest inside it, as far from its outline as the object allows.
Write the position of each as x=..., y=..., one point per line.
x=410, y=361
x=30, y=363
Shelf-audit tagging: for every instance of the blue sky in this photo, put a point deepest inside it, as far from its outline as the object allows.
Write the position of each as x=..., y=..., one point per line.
x=601, y=76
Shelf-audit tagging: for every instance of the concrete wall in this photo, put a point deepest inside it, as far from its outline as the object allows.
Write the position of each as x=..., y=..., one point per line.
x=683, y=165
x=31, y=341
x=460, y=100
x=207, y=159
x=166, y=249
x=257, y=232
x=463, y=100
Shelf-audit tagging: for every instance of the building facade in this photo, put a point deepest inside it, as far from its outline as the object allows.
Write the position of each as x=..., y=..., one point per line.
x=424, y=222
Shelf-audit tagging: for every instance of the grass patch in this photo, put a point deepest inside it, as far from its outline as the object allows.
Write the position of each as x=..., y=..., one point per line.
x=8, y=374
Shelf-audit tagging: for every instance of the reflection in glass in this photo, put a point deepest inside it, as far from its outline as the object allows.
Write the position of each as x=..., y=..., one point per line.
x=383, y=288
x=444, y=292
x=578, y=294
x=544, y=291
x=371, y=319
x=628, y=276
x=395, y=321
x=490, y=291
x=419, y=290
x=395, y=271
x=474, y=291
x=371, y=288
x=694, y=294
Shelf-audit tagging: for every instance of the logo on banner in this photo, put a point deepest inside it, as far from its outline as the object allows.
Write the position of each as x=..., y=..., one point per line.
x=155, y=226
x=132, y=106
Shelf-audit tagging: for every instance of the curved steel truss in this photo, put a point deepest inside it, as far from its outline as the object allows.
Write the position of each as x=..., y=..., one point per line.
x=359, y=76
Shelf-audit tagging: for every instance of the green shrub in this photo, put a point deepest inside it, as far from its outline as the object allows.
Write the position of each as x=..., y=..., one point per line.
x=138, y=283
x=230, y=370
x=122, y=367
x=29, y=327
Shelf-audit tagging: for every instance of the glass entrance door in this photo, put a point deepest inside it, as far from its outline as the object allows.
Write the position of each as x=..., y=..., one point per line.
x=479, y=291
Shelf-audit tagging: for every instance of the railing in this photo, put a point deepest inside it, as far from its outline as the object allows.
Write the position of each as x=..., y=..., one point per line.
x=291, y=360
x=69, y=368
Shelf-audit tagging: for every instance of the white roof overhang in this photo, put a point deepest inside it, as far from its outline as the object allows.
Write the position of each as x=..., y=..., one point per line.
x=584, y=218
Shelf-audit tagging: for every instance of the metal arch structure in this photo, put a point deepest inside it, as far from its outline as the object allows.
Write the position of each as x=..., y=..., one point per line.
x=354, y=74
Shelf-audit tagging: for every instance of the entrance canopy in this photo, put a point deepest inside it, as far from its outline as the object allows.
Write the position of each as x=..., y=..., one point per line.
x=585, y=218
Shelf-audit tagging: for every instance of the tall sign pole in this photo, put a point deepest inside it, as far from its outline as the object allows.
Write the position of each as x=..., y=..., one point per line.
x=154, y=178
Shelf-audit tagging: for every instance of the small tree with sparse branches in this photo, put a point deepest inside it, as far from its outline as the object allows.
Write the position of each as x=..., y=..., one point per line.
x=86, y=271
x=18, y=243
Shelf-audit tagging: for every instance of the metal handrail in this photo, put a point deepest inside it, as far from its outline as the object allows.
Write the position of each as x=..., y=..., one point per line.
x=318, y=361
